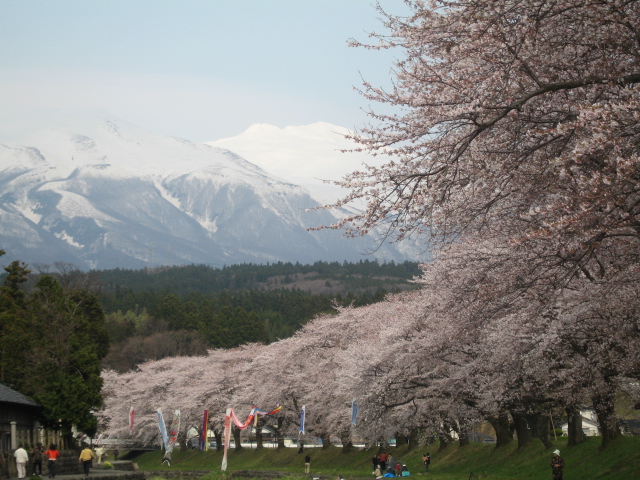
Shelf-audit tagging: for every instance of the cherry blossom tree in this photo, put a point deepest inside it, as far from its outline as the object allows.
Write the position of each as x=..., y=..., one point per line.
x=514, y=155
x=517, y=128
x=188, y=384
x=517, y=115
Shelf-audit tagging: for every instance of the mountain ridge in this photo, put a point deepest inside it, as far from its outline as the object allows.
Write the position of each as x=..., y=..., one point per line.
x=99, y=192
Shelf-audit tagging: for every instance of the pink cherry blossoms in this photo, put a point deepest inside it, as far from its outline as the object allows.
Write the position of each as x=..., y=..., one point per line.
x=514, y=156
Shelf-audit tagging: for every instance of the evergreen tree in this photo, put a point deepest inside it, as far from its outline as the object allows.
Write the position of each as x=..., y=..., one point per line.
x=52, y=341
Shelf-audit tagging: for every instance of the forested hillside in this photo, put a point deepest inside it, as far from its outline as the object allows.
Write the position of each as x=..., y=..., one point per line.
x=155, y=313
x=343, y=277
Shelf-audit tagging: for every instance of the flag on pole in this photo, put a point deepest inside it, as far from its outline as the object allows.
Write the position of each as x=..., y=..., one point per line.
x=204, y=444
x=302, y=415
x=354, y=411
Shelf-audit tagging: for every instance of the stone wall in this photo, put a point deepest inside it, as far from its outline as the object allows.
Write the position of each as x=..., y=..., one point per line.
x=67, y=464
x=113, y=475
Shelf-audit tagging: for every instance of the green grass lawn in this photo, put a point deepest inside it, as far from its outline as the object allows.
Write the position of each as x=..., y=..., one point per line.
x=620, y=461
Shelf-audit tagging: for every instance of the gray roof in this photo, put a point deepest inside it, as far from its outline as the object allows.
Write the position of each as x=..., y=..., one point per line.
x=8, y=395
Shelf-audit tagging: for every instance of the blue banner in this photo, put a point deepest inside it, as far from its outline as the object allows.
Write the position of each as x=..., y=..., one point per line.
x=302, y=415
x=163, y=429
x=354, y=411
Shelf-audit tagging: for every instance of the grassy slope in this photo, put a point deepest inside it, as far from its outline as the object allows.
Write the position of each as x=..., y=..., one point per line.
x=620, y=461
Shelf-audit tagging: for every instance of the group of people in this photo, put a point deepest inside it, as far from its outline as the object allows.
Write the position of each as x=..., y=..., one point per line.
x=384, y=465
x=37, y=455
x=385, y=461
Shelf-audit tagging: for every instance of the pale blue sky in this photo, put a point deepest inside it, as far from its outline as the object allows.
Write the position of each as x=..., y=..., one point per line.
x=196, y=69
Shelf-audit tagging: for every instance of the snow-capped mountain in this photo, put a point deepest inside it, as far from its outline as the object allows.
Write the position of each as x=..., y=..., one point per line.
x=92, y=190
x=308, y=155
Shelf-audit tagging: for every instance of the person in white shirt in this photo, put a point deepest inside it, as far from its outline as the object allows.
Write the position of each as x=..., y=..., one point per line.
x=99, y=454
x=21, y=461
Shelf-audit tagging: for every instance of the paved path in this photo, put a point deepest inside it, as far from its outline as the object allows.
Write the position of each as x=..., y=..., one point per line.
x=98, y=474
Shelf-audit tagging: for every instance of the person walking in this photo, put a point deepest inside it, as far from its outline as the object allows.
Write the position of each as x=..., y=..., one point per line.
x=426, y=459
x=99, y=454
x=52, y=457
x=36, y=460
x=307, y=463
x=22, y=458
x=557, y=465
x=86, y=456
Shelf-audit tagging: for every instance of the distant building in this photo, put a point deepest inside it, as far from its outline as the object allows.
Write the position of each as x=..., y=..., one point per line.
x=18, y=419
x=590, y=425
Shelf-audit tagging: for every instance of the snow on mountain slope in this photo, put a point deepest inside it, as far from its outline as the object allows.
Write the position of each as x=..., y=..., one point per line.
x=87, y=188
x=306, y=155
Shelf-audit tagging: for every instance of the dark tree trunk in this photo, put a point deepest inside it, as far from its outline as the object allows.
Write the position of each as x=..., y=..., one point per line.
x=235, y=431
x=326, y=440
x=413, y=439
x=463, y=438
x=604, y=407
x=445, y=438
x=575, y=433
x=522, y=428
x=259, y=437
x=182, y=440
x=500, y=424
x=347, y=445
x=401, y=439
x=539, y=426
x=279, y=432
x=218, y=436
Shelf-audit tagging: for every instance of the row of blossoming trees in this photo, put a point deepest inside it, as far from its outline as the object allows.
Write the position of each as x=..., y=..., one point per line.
x=513, y=155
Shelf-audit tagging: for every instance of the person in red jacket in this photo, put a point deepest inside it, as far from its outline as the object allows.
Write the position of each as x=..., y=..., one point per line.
x=383, y=461
x=52, y=457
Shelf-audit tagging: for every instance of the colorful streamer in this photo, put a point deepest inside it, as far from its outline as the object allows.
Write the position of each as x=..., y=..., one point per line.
x=204, y=444
x=163, y=429
x=227, y=438
x=132, y=415
x=231, y=416
x=173, y=437
x=238, y=423
x=272, y=412
x=354, y=412
x=174, y=430
x=303, y=413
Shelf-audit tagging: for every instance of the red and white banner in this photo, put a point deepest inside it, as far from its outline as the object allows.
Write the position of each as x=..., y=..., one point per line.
x=227, y=437
x=132, y=415
x=230, y=415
